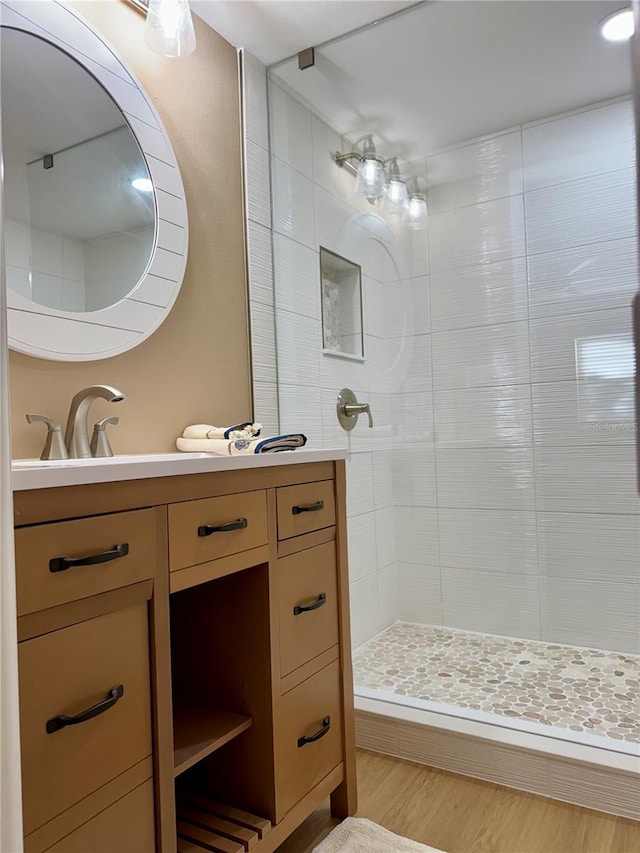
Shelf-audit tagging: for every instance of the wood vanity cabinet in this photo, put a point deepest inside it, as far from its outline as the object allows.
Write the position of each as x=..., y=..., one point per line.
x=184, y=660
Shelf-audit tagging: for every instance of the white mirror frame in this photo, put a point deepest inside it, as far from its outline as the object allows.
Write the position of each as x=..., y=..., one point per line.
x=64, y=336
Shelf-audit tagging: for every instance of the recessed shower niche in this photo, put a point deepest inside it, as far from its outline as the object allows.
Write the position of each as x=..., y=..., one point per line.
x=341, y=283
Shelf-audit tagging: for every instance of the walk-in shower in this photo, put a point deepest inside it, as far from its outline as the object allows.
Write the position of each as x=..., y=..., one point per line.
x=494, y=519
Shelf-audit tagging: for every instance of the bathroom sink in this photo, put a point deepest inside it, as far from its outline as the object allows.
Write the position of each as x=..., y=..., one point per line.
x=47, y=474
x=133, y=458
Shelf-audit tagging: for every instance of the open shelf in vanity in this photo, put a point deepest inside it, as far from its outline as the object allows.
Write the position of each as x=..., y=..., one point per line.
x=221, y=689
x=198, y=730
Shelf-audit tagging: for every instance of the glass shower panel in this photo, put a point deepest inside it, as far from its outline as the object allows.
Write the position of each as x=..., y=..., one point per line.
x=494, y=517
x=317, y=214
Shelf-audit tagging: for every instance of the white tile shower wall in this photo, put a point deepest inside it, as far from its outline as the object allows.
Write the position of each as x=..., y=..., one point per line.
x=533, y=262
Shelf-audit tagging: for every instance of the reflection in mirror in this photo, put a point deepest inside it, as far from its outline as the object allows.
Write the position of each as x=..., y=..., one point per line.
x=80, y=207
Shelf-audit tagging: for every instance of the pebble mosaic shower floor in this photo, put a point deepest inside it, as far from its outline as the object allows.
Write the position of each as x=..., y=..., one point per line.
x=582, y=690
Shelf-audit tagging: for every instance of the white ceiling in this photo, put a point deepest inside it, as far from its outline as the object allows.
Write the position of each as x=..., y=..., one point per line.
x=445, y=72
x=275, y=29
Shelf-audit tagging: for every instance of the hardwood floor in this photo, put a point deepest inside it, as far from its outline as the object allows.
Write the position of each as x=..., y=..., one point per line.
x=461, y=815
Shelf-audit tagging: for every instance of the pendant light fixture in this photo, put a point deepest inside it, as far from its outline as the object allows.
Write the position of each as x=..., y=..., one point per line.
x=169, y=27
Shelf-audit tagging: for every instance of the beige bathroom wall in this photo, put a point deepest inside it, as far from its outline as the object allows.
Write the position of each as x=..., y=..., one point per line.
x=195, y=368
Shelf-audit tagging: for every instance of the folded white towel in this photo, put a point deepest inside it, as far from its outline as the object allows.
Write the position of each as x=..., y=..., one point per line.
x=241, y=446
x=204, y=445
x=247, y=430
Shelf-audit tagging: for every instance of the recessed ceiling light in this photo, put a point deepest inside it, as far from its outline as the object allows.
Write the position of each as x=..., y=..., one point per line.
x=618, y=27
x=143, y=185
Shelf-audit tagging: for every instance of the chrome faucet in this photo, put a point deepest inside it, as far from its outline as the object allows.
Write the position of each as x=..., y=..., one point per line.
x=76, y=435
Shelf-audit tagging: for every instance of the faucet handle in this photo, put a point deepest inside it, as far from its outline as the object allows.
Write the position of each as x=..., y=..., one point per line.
x=54, y=447
x=356, y=409
x=100, y=446
x=348, y=408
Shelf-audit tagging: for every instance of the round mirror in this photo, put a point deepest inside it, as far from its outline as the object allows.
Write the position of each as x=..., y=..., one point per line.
x=95, y=219
x=79, y=201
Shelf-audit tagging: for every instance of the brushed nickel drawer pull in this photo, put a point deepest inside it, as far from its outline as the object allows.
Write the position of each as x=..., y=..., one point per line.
x=296, y=510
x=305, y=739
x=61, y=564
x=208, y=529
x=306, y=608
x=60, y=722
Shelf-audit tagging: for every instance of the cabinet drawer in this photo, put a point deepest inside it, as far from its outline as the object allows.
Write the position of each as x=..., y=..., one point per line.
x=304, y=508
x=67, y=672
x=193, y=537
x=307, y=579
x=304, y=713
x=125, y=827
x=117, y=550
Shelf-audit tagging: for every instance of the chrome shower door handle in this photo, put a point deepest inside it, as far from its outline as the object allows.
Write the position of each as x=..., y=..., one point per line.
x=348, y=409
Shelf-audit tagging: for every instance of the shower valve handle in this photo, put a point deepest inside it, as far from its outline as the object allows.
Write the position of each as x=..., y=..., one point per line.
x=356, y=409
x=348, y=409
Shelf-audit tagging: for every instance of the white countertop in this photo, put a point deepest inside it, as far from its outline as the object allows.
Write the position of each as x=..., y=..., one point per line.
x=37, y=474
